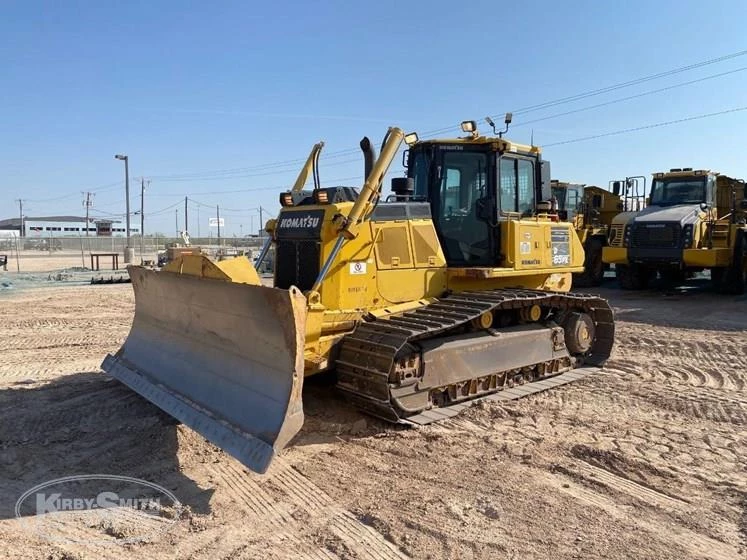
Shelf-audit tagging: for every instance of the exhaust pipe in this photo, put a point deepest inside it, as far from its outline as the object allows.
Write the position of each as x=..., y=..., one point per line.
x=369, y=157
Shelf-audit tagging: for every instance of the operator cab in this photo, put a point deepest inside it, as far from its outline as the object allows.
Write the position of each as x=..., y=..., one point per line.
x=569, y=199
x=473, y=184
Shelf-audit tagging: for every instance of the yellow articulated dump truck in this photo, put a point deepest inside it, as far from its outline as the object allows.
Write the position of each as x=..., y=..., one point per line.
x=452, y=288
x=590, y=209
x=694, y=220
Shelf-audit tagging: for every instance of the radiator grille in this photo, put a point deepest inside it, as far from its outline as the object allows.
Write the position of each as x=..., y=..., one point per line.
x=297, y=263
x=655, y=235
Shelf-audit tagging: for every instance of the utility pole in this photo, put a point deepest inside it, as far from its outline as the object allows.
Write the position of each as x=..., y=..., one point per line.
x=261, y=224
x=20, y=225
x=128, y=248
x=186, y=216
x=88, y=204
x=198, y=221
x=142, y=216
x=217, y=213
x=176, y=221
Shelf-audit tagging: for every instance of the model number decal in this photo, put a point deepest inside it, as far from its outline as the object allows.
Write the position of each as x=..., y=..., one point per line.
x=560, y=242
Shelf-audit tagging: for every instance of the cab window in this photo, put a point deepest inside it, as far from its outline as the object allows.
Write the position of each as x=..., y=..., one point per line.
x=516, y=185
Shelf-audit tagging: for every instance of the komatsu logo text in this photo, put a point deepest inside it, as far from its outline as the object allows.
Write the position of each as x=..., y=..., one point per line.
x=300, y=225
x=300, y=222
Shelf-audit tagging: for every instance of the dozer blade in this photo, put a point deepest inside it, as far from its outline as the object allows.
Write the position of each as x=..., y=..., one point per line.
x=224, y=358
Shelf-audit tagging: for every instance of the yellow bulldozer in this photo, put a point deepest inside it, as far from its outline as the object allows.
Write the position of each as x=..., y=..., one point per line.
x=590, y=209
x=693, y=220
x=452, y=288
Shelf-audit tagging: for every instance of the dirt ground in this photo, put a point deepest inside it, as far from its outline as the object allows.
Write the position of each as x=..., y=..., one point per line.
x=646, y=459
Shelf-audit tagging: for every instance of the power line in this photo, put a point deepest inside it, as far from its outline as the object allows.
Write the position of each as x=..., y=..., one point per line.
x=248, y=175
x=278, y=167
x=166, y=209
x=628, y=98
x=647, y=126
x=338, y=180
x=522, y=110
x=627, y=84
x=106, y=187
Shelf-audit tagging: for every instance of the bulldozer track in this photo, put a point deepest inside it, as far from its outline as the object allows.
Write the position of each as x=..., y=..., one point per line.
x=368, y=386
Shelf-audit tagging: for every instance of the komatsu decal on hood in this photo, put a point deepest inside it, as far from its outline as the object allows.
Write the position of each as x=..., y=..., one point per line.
x=682, y=213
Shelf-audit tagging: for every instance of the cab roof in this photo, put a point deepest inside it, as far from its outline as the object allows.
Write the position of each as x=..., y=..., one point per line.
x=500, y=144
x=565, y=184
x=684, y=172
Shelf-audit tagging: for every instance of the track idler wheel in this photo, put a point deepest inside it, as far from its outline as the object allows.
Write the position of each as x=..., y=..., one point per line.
x=579, y=332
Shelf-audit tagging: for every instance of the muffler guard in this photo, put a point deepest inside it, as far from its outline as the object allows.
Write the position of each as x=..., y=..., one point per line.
x=224, y=358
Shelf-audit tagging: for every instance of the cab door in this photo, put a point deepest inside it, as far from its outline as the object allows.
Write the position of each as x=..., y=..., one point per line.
x=462, y=207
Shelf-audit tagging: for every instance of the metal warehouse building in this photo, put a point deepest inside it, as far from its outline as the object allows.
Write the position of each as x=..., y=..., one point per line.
x=65, y=226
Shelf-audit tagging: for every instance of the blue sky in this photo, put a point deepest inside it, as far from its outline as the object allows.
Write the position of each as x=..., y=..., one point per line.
x=188, y=88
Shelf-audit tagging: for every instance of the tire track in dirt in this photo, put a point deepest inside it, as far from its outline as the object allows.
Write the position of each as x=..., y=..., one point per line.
x=38, y=368
x=694, y=543
x=694, y=373
x=52, y=342
x=704, y=407
x=263, y=510
x=365, y=541
x=700, y=363
x=627, y=486
x=320, y=512
x=115, y=406
x=39, y=325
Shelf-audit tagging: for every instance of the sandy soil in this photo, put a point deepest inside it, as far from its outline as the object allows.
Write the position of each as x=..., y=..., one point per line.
x=644, y=460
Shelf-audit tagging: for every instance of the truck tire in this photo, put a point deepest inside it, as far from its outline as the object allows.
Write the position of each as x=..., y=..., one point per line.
x=717, y=278
x=593, y=273
x=632, y=276
x=734, y=278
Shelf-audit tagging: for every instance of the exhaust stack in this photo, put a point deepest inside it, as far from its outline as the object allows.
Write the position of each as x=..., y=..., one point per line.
x=369, y=157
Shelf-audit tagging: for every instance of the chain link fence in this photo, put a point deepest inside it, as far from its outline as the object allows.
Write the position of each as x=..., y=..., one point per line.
x=149, y=244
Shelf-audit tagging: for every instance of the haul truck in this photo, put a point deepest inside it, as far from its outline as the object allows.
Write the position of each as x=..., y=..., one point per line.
x=694, y=220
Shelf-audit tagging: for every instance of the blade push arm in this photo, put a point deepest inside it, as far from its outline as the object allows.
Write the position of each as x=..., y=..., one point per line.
x=312, y=162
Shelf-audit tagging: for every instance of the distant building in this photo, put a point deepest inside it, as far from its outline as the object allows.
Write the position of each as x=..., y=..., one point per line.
x=65, y=226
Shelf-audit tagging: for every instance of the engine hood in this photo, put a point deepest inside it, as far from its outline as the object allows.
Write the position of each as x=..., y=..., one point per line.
x=681, y=213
